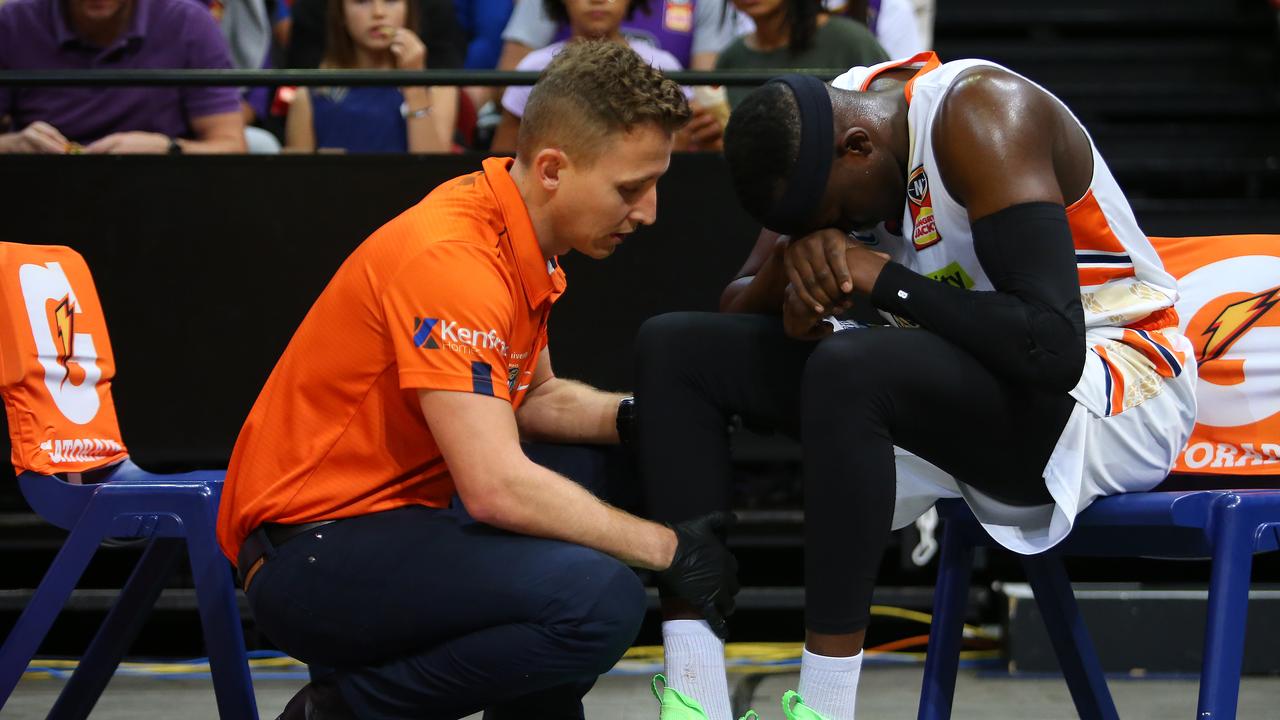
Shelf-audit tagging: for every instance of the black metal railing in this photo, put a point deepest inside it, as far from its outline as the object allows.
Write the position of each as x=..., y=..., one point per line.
x=242, y=78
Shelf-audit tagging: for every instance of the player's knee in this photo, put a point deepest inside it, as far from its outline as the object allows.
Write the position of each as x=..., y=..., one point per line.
x=600, y=608
x=662, y=338
x=845, y=366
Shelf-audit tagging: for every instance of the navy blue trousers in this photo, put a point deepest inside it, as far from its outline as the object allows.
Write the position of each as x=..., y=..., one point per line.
x=425, y=613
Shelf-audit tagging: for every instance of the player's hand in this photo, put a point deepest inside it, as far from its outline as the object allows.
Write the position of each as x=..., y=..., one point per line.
x=800, y=320
x=704, y=129
x=130, y=143
x=407, y=50
x=703, y=572
x=38, y=137
x=817, y=269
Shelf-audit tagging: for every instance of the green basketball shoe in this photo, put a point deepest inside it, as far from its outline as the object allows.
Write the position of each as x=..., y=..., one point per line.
x=675, y=706
x=793, y=708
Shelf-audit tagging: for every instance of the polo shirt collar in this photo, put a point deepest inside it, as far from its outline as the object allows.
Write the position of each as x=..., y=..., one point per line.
x=541, y=280
x=64, y=33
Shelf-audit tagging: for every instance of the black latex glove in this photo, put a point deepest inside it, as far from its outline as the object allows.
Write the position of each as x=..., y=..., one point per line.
x=703, y=571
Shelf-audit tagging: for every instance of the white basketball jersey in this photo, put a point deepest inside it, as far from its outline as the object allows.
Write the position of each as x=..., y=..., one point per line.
x=1131, y=327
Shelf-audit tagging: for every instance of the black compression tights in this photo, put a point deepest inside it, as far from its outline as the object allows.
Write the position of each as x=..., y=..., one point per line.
x=849, y=398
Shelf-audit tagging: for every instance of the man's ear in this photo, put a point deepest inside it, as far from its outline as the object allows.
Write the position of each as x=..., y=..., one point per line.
x=547, y=166
x=856, y=141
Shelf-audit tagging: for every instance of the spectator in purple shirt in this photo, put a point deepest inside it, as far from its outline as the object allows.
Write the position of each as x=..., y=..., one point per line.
x=115, y=35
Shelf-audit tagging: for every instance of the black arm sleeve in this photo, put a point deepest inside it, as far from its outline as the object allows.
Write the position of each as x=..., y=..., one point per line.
x=1030, y=329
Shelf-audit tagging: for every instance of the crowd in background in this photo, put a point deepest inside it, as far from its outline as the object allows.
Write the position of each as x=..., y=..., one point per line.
x=393, y=35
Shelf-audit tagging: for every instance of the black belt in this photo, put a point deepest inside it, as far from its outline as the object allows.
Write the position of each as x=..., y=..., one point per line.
x=263, y=541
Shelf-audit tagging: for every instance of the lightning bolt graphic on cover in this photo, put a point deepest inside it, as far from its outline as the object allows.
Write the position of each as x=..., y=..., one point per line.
x=1234, y=321
x=64, y=320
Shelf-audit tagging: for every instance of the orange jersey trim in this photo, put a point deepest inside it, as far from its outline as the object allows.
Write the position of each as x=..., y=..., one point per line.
x=929, y=60
x=1115, y=399
x=1158, y=320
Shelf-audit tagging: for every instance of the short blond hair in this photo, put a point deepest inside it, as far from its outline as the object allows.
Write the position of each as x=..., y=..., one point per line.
x=592, y=89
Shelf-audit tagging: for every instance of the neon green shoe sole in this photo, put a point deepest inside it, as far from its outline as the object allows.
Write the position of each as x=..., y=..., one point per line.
x=793, y=708
x=674, y=705
x=677, y=706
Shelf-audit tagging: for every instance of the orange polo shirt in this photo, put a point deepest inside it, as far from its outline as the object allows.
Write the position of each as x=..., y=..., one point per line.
x=453, y=294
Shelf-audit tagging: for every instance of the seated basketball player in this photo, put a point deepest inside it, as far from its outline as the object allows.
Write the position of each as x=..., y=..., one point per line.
x=412, y=379
x=1032, y=364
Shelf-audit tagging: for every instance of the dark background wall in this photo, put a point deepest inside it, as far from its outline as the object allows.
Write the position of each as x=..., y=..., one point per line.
x=206, y=265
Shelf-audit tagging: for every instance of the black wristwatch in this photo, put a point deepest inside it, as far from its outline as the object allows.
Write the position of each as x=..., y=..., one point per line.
x=626, y=422
x=175, y=147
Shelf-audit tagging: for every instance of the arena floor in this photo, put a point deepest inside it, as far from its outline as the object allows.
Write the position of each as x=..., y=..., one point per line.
x=887, y=693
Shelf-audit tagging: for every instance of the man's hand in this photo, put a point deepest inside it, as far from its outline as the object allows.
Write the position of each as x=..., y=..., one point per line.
x=130, y=143
x=703, y=571
x=826, y=268
x=407, y=50
x=800, y=320
x=38, y=137
x=817, y=269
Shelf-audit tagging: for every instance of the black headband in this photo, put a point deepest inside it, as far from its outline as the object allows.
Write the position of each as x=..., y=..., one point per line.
x=807, y=180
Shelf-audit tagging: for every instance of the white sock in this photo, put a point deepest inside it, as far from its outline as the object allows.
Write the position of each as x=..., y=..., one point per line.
x=695, y=665
x=829, y=685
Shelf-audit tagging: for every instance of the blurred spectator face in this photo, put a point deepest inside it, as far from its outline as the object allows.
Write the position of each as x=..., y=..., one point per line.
x=759, y=9
x=371, y=23
x=596, y=18
x=98, y=10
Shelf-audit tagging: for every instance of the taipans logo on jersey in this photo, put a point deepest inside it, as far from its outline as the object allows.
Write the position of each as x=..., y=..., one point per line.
x=924, y=227
x=513, y=377
x=1234, y=321
x=422, y=328
x=63, y=318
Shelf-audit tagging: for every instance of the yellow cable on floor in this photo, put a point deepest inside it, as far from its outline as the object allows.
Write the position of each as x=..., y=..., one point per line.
x=758, y=657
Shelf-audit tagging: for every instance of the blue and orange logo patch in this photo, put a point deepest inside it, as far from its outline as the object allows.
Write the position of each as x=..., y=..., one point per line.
x=422, y=328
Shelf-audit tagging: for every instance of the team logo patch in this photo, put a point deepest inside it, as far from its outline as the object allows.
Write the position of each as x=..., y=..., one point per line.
x=422, y=328
x=513, y=377
x=924, y=227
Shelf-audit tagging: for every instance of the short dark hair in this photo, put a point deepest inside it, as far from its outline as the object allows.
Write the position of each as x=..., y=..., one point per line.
x=594, y=88
x=761, y=143
x=558, y=11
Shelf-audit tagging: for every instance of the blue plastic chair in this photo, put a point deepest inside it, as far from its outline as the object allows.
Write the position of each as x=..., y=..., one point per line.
x=169, y=511
x=1226, y=526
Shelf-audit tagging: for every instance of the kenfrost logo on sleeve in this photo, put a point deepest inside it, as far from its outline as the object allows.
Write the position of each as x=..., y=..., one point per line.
x=455, y=337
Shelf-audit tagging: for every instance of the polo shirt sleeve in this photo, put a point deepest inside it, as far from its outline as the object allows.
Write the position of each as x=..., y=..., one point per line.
x=206, y=48
x=449, y=315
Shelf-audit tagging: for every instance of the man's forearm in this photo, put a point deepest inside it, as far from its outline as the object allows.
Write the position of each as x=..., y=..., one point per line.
x=561, y=410
x=214, y=145
x=538, y=502
x=760, y=294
